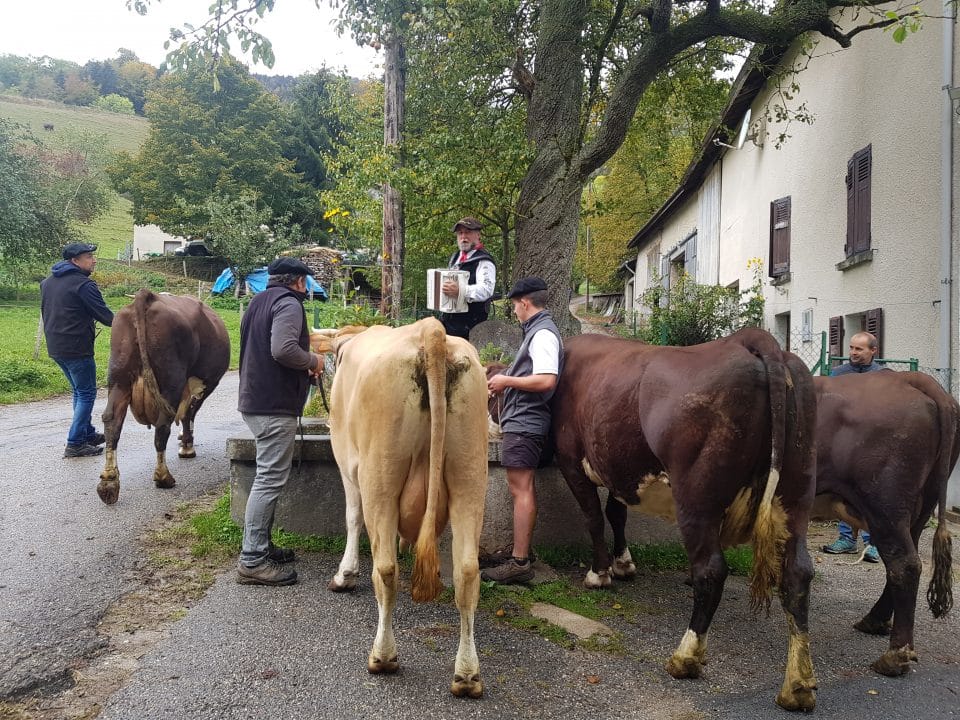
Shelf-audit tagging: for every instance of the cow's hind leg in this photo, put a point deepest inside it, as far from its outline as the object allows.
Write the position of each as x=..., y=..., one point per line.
x=899, y=553
x=623, y=567
x=382, y=528
x=346, y=578
x=118, y=400
x=161, y=474
x=467, y=496
x=708, y=570
x=186, y=449
x=799, y=684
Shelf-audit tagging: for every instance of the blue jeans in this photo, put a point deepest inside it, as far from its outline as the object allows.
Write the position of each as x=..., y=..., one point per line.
x=847, y=532
x=275, y=436
x=82, y=375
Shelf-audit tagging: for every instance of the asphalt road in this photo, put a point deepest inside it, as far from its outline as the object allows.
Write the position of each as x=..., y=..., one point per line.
x=300, y=651
x=67, y=556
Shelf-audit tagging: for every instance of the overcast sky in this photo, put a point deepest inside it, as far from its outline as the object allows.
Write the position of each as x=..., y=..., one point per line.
x=80, y=30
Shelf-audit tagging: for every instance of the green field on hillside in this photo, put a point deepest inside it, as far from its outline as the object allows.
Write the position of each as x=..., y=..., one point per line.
x=124, y=132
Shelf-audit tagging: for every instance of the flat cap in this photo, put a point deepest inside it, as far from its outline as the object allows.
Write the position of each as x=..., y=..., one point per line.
x=525, y=286
x=468, y=223
x=74, y=249
x=288, y=266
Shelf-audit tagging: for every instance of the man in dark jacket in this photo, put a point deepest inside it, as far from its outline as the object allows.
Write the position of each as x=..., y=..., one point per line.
x=863, y=348
x=472, y=258
x=275, y=369
x=70, y=302
x=527, y=386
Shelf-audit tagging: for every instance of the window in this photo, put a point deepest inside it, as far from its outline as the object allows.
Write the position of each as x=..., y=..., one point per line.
x=870, y=321
x=837, y=348
x=859, y=169
x=873, y=324
x=780, y=237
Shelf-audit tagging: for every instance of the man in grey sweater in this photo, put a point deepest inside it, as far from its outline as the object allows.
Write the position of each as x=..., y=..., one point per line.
x=275, y=369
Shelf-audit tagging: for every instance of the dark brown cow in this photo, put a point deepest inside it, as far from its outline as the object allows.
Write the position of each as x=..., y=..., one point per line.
x=167, y=354
x=886, y=444
x=718, y=435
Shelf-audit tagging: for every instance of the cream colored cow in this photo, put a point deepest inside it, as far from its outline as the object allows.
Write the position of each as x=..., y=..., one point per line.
x=408, y=424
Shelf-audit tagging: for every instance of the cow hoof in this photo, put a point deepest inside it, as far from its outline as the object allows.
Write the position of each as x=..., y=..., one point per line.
x=467, y=687
x=345, y=583
x=803, y=699
x=109, y=491
x=873, y=627
x=375, y=666
x=597, y=581
x=894, y=663
x=165, y=483
x=684, y=667
x=624, y=570
x=187, y=452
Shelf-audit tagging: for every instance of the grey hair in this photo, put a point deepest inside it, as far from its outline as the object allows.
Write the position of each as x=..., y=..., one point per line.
x=286, y=279
x=538, y=298
x=871, y=339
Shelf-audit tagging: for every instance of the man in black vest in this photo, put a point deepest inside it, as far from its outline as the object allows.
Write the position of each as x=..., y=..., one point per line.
x=527, y=386
x=472, y=258
x=275, y=369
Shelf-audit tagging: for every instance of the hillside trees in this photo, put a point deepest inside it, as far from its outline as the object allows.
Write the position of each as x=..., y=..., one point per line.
x=43, y=193
x=207, y=143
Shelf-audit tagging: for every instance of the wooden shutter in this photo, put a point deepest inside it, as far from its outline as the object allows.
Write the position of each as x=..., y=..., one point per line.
x=873, y=324
x=690, y=257
x=858, y=180
x=780, y=237
x=836, y=338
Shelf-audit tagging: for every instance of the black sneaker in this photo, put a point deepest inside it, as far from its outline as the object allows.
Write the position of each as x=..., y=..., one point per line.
x=85, y=450
x=266, y=573
x=96, y=439
x=281, y=555
x=510, y=572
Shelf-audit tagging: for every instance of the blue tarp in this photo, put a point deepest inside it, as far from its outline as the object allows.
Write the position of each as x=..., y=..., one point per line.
x=257, y=280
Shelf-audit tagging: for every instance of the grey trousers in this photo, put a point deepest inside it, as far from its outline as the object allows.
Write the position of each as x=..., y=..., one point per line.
x=275, y=436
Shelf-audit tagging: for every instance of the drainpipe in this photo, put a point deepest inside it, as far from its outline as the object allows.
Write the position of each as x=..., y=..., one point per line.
x=946, y=196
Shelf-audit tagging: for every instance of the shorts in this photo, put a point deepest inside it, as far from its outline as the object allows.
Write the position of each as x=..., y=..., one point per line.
x=521, y=451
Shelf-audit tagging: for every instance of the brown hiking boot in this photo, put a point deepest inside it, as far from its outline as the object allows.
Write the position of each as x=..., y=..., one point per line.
x=499, y=557
x=510, y=572
x=280, y=555
x=266, y=573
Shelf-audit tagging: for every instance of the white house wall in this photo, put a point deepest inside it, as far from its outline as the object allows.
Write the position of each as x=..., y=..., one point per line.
x=151, y=239
x=875, y=93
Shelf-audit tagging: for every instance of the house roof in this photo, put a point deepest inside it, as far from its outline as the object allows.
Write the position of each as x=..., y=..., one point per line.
x=751, y=80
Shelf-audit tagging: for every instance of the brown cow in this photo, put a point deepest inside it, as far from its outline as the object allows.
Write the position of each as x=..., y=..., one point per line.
x=167, y=354
x=718, y=436
x=886, y=445
x=409, y=434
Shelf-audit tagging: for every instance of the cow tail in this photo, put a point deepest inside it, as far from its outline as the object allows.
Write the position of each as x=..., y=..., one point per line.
x=142, y=300
x=426, y=567
x=770, y=530
x=940, y=590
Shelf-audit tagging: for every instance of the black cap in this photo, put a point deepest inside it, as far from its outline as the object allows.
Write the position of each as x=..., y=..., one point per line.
x=288, y=266
x=74, y=249
x=525, y=286
x=468, y=223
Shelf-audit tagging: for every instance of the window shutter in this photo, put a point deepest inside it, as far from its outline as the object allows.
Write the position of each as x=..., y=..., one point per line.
x=690, y=257
x=873, y=324
x=836, y=338
x=858, y=181
x=780, y=237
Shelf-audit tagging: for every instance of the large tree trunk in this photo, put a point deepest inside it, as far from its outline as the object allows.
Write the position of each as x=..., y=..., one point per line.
x=394, y=82
x=548, y=210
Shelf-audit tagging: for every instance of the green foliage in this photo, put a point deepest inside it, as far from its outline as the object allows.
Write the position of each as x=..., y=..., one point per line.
x=115, y=103
x=688, y=313
x=15, y=375
x=491, y=353
x=752, y=300
x=207, y=144
x=245, y=232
